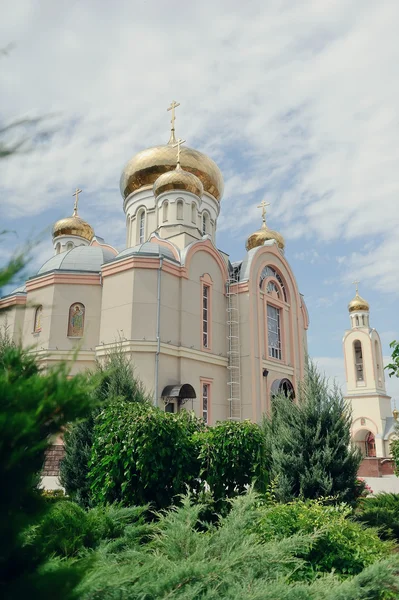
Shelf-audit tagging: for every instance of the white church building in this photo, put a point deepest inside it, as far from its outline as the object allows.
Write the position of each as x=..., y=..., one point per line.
x=216, y=336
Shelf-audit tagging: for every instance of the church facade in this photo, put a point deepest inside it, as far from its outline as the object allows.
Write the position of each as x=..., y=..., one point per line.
x=204, y=333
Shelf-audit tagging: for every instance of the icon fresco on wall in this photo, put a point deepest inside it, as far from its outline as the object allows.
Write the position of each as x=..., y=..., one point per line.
x=38, y=319
x=76, y=320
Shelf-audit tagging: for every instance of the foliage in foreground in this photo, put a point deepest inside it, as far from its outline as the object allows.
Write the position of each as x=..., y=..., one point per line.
x=340, y=545
x=223, y=561
x=381, y=511
x=309, y=443
x=33, y=406
x=116, y=379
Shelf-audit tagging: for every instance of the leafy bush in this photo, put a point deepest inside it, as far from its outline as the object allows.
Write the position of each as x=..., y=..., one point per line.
x=309, y=445
x=381, y=511
x=232, y=456
x=116, y=379
x=221, y=562
x=142, y=455
x=338, y=545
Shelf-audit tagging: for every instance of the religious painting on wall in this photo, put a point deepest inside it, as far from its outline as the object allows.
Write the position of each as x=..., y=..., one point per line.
x=38, y=319
x=76, y=320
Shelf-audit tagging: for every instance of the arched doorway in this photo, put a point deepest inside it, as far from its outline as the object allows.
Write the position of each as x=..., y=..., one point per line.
x=365, y=441
x=282, y=386
x=174, y=396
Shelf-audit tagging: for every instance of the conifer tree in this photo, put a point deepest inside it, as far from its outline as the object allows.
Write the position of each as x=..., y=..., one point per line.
x=309, y=444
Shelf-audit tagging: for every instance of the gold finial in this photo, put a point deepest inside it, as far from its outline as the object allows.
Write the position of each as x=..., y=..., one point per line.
x=395, y=414
x=177, y=145
x=75, y=206
x=172, y=107
x=356, y=283
x=263, y=205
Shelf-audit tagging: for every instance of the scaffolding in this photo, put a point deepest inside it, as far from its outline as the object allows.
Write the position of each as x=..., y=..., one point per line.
x=234, y=350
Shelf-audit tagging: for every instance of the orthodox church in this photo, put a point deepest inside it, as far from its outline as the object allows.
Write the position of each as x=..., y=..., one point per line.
x=216, y=336
x=373, y=421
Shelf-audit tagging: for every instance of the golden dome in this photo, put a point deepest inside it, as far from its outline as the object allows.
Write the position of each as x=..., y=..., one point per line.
x=178, y=179
x=263, y=235
x=73, y=226
x=145, y=168
x=358, y=303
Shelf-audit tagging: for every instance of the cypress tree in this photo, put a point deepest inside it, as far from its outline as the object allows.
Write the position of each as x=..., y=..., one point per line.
x=309, y=444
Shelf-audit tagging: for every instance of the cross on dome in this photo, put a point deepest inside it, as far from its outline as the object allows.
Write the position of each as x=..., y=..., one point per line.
x=356, y=283
x=172, y=107
x=263, y=205
x=75, y=206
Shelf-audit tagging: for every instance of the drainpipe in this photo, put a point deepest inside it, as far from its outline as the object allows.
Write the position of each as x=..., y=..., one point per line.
x=158, y=351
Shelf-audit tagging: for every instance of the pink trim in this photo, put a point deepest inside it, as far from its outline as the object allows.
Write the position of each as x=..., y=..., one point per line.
x=64, y=278
x=166, y=244
x=13, y=301
x=110, y=248
x=208, y=382
x=206, y=246
x=141, y=263
x=206, y=281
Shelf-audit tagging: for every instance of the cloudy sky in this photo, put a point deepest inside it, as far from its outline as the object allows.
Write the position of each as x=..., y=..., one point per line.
x=296, y=100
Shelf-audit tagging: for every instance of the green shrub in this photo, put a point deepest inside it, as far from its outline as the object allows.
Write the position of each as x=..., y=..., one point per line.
x=142, y=455
x=339, y=544
x=381, y=511
x=232, y=456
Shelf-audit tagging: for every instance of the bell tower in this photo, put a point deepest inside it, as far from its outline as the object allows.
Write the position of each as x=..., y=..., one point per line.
x=372, y=420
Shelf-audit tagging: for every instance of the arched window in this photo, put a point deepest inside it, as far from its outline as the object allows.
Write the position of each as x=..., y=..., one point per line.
x=357, y=347
x=193, y=212
x=357, y=321
x=37, y=326
x=273, y=290
x=205, y=223
x=377, y=361
x=76, y=321
x=370, y=445
x=58, y=248
x=271, y=272
x=141, y=227
x=179, y=210
x=69, y=246
x=165, y=211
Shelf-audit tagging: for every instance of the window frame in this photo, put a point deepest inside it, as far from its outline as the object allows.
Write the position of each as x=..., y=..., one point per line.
x=206, y=383
x=279, y=332
x=206, y=283
x=141, y=226
x=165, y=211
x=179, y=210
x=37, y=318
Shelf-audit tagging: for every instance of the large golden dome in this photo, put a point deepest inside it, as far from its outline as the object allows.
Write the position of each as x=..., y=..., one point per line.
x=73, y=226
x=145, y=168
x=178, y=179
x=258, y=238
x=358, y=303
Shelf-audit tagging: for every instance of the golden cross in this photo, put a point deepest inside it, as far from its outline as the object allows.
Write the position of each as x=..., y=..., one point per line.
x=263, y=205
x=177, y=145
x=75, y=206
x=356, y=283
x=172, y=107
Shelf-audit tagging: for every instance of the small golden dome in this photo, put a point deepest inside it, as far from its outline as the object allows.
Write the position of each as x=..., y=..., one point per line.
x=145, y=168
x=358, y=303
x=263, y=235
x=73, y=226
x=178, y=179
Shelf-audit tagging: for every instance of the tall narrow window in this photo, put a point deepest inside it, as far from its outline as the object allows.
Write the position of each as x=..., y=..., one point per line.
x=357, y=321
x=205, y=316
x=274, y=332
x=37, y=326
x=357, y=347
x=69, y=246
x=204, y=224
x=179, y=210
x=205, y=402
x=58, y=248
x=141, y=227
x=165, y=211
x=377, y=360
x=193, y=213
x=76, y=322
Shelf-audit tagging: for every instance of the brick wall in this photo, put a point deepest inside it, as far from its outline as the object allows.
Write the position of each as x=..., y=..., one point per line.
x=375, y=467
x=54, y=455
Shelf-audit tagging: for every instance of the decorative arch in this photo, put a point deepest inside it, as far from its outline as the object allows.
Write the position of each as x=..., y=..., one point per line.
x=69, y=246
x=76, y=320
x=205, y=246
x=282, y=386
x=37, y=324
x=58, y=248
x=270, y=272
